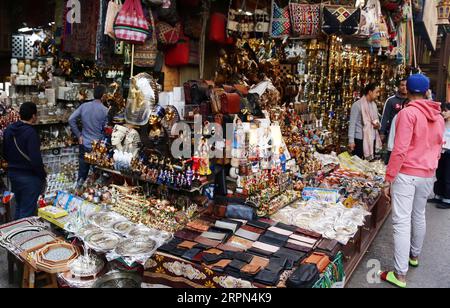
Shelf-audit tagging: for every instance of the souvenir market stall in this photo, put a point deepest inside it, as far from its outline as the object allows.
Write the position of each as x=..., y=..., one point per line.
x=237, y=177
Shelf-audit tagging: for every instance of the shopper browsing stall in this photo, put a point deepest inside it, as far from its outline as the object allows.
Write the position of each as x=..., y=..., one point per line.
x=442, y=186
x=392, y=107
x=410, y=175
x=22, y=150
x=363, y=135
x=93, y=116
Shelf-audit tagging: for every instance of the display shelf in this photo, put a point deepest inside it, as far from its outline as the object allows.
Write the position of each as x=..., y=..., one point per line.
x=193, y=190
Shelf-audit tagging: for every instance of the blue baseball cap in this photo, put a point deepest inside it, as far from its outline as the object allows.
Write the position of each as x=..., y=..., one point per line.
x=418, y=83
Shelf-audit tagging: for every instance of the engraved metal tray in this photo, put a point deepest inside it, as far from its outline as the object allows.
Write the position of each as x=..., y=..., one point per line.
x=105, y=220
x=42, y=238
x=119, y=280
x=135, y=246
x=102, y=241
x=19, y=235
x=123, y=227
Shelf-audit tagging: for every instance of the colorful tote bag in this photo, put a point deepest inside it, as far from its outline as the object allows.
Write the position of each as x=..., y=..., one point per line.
x=281, y=21
x=341, y=20
x=131, y=25
x=305, y=19
x=145, y=55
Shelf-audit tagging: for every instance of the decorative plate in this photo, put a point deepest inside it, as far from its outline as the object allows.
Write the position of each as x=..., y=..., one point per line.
x=40, y=239
x=86, y=266
x=135, y=246
x=102, y=241
x=119, y=280
x=21, y=234
x=87, y=229
x=123, y=227
x=141, y=231
x=105, y=220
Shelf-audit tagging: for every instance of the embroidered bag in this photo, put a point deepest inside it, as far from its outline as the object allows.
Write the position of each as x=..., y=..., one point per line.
x=340, y=20
x=281, y=20
x=131, y=25
x=305, y=19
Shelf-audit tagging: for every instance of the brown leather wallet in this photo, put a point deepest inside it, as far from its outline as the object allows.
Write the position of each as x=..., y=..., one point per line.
x=251, y=269
x=321, y=260
x=308, y=232
x=297, y=247
x=187, y=245
x=226, y=247
x=221, y=264
x=253, y=229
x=207, y=242
x=199, y=225
x=187, y=235
x=214, y=251
x=260, y=261
x=240, y=242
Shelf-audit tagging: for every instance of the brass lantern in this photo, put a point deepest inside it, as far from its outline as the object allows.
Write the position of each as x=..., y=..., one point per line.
x=443, y=12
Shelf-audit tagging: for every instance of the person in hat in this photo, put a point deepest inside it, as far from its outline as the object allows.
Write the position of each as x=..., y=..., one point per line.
x=410, y=175
x=93, y=117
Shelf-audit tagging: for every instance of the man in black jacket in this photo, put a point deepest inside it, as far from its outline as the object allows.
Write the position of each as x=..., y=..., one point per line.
x=392, y=107
x=22, y=151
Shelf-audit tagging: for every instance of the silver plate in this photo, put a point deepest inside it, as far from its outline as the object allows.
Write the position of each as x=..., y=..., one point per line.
x=105, y=220
x=41, y=238
x=135, y=246
x=119, y=280
x=140, y=231
x=123, y=227
x=102, y=241
x=87, y=229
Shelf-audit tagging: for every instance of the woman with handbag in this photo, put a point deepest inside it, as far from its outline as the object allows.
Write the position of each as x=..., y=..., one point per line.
x=22, y=150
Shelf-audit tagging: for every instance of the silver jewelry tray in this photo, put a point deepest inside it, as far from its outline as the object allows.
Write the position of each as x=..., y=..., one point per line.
x=19, y=235
x=105, y=220
x=119, y=280
x=123, y=227
x=102, y=241
x=40, y=239
x=135, y=246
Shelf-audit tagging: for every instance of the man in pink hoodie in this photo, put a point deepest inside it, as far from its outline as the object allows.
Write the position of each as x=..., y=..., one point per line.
x=409, y=176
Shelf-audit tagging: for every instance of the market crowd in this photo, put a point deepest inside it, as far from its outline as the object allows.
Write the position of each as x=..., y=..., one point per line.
x=414, y=129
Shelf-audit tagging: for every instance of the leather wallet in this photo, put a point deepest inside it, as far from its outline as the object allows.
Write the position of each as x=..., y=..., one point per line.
x=286, y=227
x=240, y=242
x=267, y=278
x=258, y=224
x=191, y=254
x=266, y=247
x=260, y=261
x=290, y=254
x=187, y=245
x=227, y=225
x=199, y=225
x=226, y=247
x=214, y=251
x=237, y=264
x=251, y=269
x=321, y=260
x=280, y=231
x=209, y=258
x=308, y=233
x=259, y=252
x=298, y=247
x=277, y=236
x=330, y=247
x=220, y=265
x=214, y=236
x=244, y=257
x=304, y=239
x=300, y=243
x=276, y=265
x=252, y=229
x=187, y=235
x=198, y=257
x=271, y=241
x=207, y=242
x=247, y=234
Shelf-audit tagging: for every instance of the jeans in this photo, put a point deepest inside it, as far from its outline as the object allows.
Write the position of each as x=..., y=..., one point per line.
x=84, y=167
x=409, y=199
x=26, y=189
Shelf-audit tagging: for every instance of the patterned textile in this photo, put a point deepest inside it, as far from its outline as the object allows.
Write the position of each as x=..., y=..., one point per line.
x=281, y=21
x=305, y=19
x=341, y=20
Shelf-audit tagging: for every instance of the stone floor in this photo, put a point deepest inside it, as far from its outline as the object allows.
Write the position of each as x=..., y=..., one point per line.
x=434, y=271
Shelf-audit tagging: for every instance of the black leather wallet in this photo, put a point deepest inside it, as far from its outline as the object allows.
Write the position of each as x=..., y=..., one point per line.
x=258, y=224
x=260, y=252
x=277, y=236
x=237, y=264
x=244, y=257
x=286, y=227
x=191, y=254
x=210, y=258
x=276, y=265
x=290, y=254
x=271, y=241
x=267, y=277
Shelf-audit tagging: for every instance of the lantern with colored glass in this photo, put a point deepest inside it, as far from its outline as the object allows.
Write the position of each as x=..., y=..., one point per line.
x=443, y=12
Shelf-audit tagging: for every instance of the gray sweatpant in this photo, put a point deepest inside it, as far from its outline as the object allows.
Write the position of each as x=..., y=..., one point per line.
x=409, y=199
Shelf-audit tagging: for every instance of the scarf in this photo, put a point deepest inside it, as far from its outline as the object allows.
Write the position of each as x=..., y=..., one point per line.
x=370, y=134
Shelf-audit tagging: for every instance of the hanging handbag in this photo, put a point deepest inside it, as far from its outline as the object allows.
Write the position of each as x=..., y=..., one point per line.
x=280, y=24
x=178, y=55
x=131, y=25
x=217, y=29
x=168, y=12
x=305, y=19
x=340, y=20
x=146, y=55
x=167, y=34
x=368, y=19
x=114, y=7
x=261, y=20
x=378, y=37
